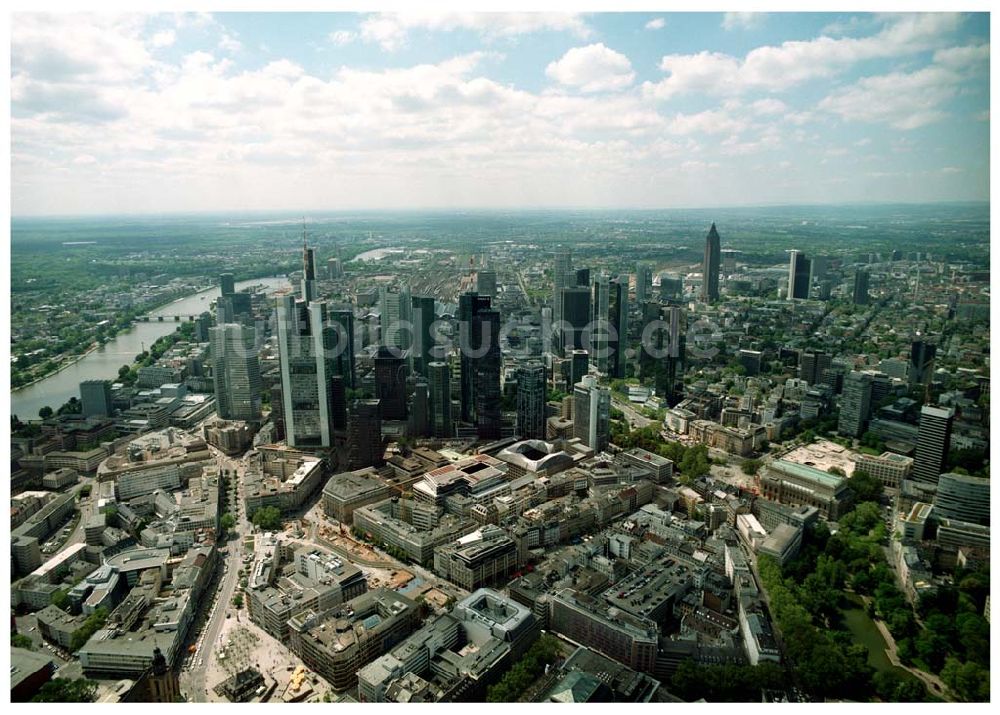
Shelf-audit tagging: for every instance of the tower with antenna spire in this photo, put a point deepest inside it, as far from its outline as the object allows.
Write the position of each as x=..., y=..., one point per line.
x=308, y=268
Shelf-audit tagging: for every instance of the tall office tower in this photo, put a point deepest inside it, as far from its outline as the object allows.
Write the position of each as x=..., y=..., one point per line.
x=439, y=374
x=729, y=261
x=962, y=497
x=95, y=397
x=334, y=268
x=575, y=311
x=224, y=310
x=583, y=277
x=420, y=425
x=921, y=361
x=618, y=324
x=395, y=314
x=277, y=412
x=227, y=283
x=861, y=287
x=469, y=304
x=592, y=413
x=671, y=287
x=486, y=329
x=338, y=404
x=342, y=322
x=561, y=266
x=933, y=442
x=306, y=349
x=364, y=435
x=201, y=325
x=236, y=372
x=579, y=364
x=670, y=341
x=486, y=283
x=750, y=360
x=390, y=383
x=855, y=404
x=423, y=340
x=710, y=266
x=881, y=387
x=643, y=281
x=599, y=323
x=811, y=366
x=798, y=276
x=531, y=385
x=308, y=270
x=818, y=268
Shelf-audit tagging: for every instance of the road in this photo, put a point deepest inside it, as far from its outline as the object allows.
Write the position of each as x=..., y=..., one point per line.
x=194, y=682
x=634, y=417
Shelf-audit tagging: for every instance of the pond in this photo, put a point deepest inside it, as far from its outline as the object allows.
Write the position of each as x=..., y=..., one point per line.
x=865, y=632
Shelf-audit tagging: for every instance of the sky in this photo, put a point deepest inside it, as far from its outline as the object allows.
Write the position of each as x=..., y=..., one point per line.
x=158, y=113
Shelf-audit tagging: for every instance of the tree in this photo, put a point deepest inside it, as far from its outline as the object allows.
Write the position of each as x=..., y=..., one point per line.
x=238, y=600
x=62, y=690
x=85, y=490
x=750, y=466
x=45, y=412
x=60, y=599
x=19, y=640
x=267, y=518
x=228, y=521
x=865, y=486
x=968, y=681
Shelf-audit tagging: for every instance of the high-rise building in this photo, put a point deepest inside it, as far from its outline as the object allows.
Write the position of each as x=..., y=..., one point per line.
x=342, y=321
x=921, y=361
x=486, y=283
x=671, y=287
x=439, y=374
x=393, y=330
x=575, y=312
x=562, y=265
x=308, y=270
x=338, y=404
x=227, y=284
x=420, y=419
x=798, y=276
x=599, y=334
x=962, y=497
x=671, y=342
x=390, y=383
x=423, y=340
x=95, y=398
x=469, y=304
x=334, y=268
x=861, y=287
x=592, y=413
x=579, y=365
x=479, y=342
x=306, y=348
x=531, y=386
x=236, y=372
x=812, y=365
x=710, y=266
x=855, y=404
x=750, y=360
x=618, y=326
x=933, y=442
x=364, y=435
x=643, y=281
x=583, y=277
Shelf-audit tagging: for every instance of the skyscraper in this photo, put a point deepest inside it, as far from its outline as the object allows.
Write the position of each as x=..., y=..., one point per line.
x=962, y=497
x=798, y=276
x=423, y=340
x=561, y=266
x=618, y=324
x=342, y=322
x=933, y=442
x=599, y=334
x=531, y=401
x=643, y=281
x=672, y=343
x=439, y=374
x=364, y=435
x=308, y=270
x=390, y=383
x=236, y=371
x=479, y=346
x=306, y=349
x=812, y=365
x=486, y=283
x=420, y=425
x=579, y=364
x=575, y=312
x=592, y=413
x=710, y=266
x=855, y=404
x=921, y=361
x=95, y=396
x=227, y=284
x=861, y=287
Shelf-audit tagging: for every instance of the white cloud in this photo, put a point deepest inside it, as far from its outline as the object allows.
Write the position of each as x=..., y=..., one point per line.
x=390, y=30
x=164, y=38
x=707, y=122
x=769, y=106
x=228, y=43
x=972, y=58
x=84, y=160
x=743, y=20
x=343, y=37
x=657, y=23
x=776, y=68
x=594, y=68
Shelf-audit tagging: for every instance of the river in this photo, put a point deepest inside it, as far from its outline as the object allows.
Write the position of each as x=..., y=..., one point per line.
x=103, y=363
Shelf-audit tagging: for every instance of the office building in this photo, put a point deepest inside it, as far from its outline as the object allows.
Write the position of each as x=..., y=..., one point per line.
x=562, y=277
x=600, y=328
x=750, y=360
x=439, y=375
x=342, y=352
x=592, y=413
x=933, y=443
x=628, y=639
x=423, y=340
x=812, y=365
x=531, y=389
x=364, y=434
x=643, y=281
x=395, y=311
x=963, y=498
x=390, y=383
x=479, y=342
x=710, y=266
x=578, y=366
x=921, y=361
x=236, y=372
x=486, y=283
x=861, y=287
x=855, y=404
x=575, y=305
x=95, y=398
x=420, y=415
x=889, y=468
x=618, y=327
x=798, y=276
x=227, y=284
x=485, y=557
x=308, y=270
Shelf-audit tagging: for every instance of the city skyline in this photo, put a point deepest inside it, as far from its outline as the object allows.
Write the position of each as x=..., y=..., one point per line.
x=296, y=111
